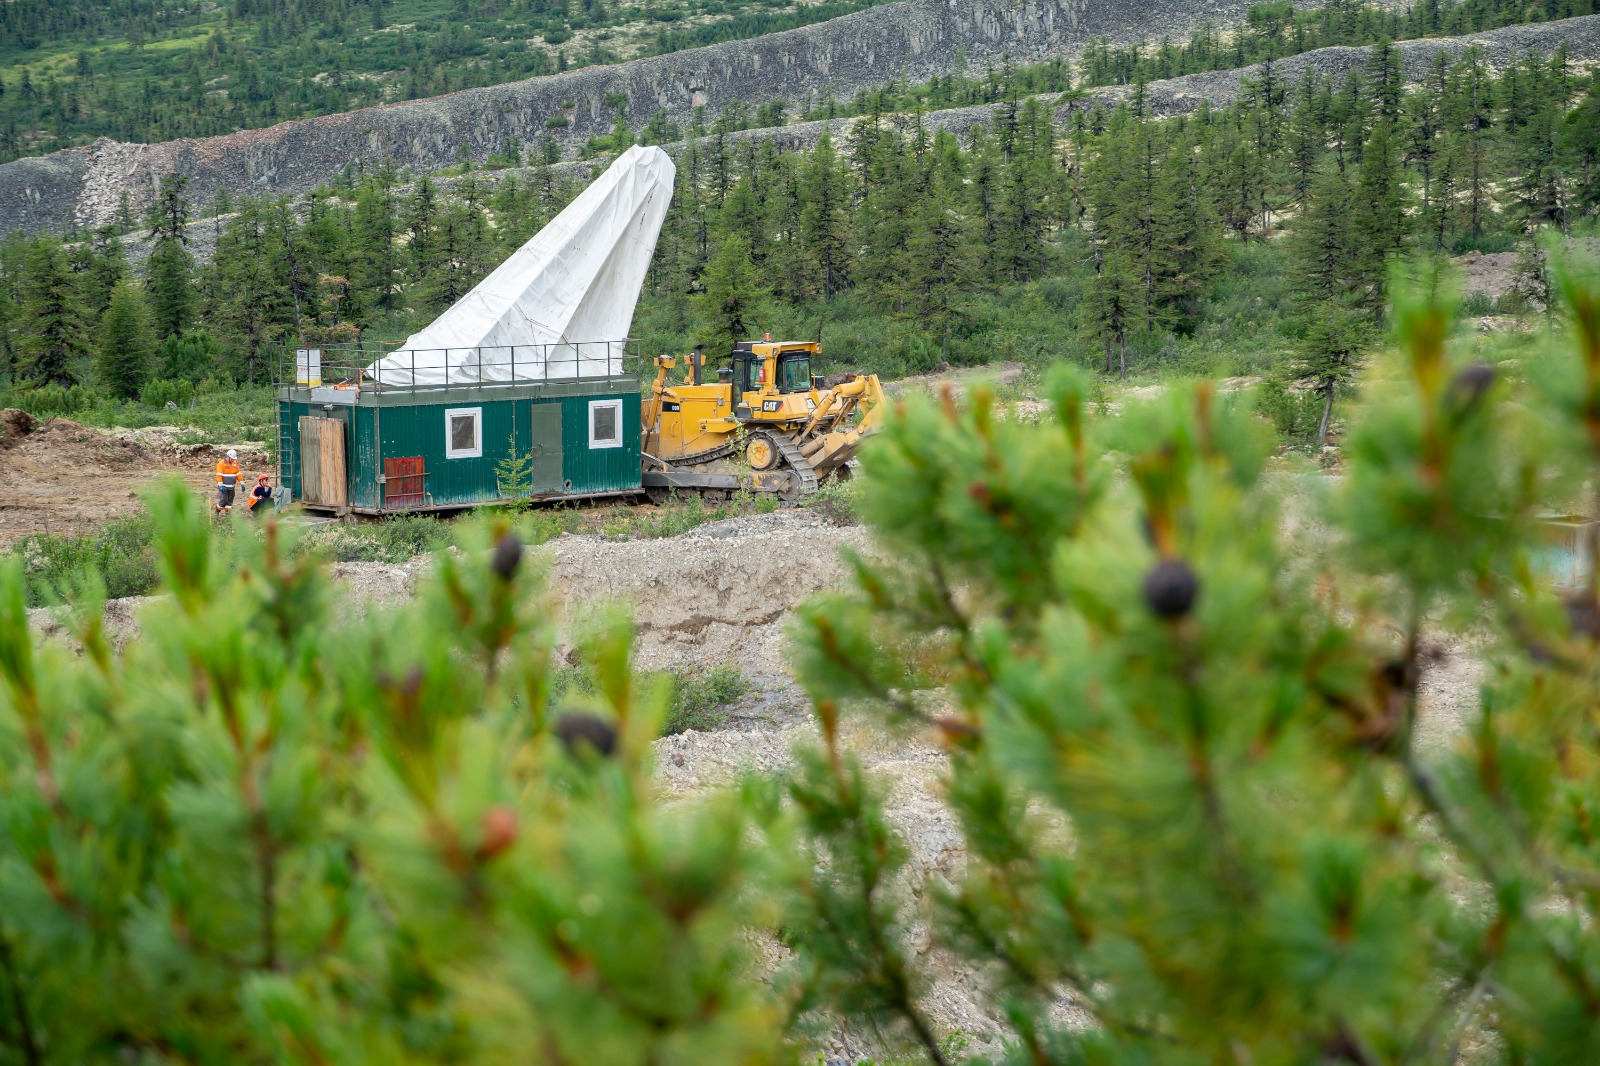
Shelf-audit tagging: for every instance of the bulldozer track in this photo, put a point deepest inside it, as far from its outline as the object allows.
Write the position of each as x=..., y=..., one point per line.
x=710, y=455
x=798, y=463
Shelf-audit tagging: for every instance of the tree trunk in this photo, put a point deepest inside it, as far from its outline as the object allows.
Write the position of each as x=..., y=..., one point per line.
x=1122, y=355
x=1327, y=407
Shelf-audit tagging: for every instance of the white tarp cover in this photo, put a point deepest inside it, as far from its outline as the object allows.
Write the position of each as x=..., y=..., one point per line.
x=559, y=307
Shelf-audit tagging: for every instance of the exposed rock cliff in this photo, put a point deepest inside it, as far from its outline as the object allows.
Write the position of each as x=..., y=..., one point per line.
x=1580, y=36
x=912, y=39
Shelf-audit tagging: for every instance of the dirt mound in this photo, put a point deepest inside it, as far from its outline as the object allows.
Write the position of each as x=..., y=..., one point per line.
x=14, y=425
x=63, y=441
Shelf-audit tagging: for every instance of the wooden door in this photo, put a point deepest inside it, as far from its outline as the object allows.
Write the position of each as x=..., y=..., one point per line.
x=322, y=470
x=546, y=450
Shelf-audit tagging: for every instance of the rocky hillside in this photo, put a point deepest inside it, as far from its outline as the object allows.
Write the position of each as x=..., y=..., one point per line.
x=912, y=39
x=1175, y=96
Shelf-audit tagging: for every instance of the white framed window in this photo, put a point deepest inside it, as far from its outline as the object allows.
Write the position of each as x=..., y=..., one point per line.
x=463, y=433
x=605, y=424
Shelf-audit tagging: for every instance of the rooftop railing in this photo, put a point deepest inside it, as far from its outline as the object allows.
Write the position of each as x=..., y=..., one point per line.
x=388, y=368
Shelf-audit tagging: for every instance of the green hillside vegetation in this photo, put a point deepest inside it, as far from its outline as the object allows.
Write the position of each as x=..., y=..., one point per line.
x=73, y=70
x=1253, y=239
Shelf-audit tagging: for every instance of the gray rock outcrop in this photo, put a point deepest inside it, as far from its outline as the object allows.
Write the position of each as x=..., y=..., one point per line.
x=1175, y=96
x=913, y=39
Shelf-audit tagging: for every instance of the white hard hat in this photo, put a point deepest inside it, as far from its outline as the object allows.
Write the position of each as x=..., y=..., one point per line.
x=232, y=454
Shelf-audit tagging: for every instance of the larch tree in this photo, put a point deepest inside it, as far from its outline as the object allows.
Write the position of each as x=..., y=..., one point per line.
x=55, y=330
x=726, y=310
x=169, y=272
x=127, y=343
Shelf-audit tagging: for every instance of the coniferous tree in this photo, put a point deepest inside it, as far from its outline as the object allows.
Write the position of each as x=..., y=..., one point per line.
x=54, y=324
x=99, y=263
x=1326, y=242
x=169, y=273
x=373, y=242
x=1111, y=308
x=127, y=345
x=1426, y=121
x=1580, y=147
x=825, y=215
x=422, y=214
x=1470, y=112
x=938, y=264
x=732, y=298
x=253, y=300
x=1381, y=222
x=1330, y=355
x=1307, y=134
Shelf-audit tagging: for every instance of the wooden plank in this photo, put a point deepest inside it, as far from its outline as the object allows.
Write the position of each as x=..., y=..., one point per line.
x=335, y=486
x=322, y=468
x=310, y=461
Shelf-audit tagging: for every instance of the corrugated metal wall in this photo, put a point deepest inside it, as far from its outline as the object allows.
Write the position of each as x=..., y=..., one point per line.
x=598, y=469
x=289, y=445
x=420, y=430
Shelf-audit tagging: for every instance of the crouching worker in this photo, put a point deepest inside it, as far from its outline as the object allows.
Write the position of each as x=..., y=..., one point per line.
x=227, y=481
x=261, y=496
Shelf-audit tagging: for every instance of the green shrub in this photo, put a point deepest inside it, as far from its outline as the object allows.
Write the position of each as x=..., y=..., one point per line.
x=119, y=553
x=1486, y=243
x=258, y=839
x=54, y=401
x=1295, y=413
x=162, y=391
x=701, y=698
x=1476, y=305
x=697, y=699
x=837, y=500
x=395, y=539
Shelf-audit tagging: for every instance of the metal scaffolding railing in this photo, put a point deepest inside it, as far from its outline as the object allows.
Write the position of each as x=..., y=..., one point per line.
x=388, y=368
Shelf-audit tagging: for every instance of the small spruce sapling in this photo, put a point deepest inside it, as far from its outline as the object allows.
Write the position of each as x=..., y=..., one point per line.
x=514, y=474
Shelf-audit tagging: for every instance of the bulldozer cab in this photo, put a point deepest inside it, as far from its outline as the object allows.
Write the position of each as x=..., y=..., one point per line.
x=772, y=368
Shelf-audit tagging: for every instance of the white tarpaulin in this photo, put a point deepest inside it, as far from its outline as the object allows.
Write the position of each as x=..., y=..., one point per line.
x=560, y=306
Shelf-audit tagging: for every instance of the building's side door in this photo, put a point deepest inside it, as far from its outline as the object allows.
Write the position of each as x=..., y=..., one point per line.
x=546, y=451
x=323, y=478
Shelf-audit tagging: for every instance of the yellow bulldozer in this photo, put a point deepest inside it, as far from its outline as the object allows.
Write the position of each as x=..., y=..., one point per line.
x=765, y=423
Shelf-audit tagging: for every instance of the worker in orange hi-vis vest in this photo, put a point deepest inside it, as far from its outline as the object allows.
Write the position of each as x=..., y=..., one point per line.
x=227, y=480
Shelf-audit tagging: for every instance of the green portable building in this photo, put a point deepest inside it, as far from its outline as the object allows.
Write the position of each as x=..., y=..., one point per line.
x=527, y=363
x=362, y=449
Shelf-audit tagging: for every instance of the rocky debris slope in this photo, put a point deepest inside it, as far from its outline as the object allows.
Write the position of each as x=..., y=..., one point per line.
x=1175, y=96
x=913, y=39
x=1182, y=96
